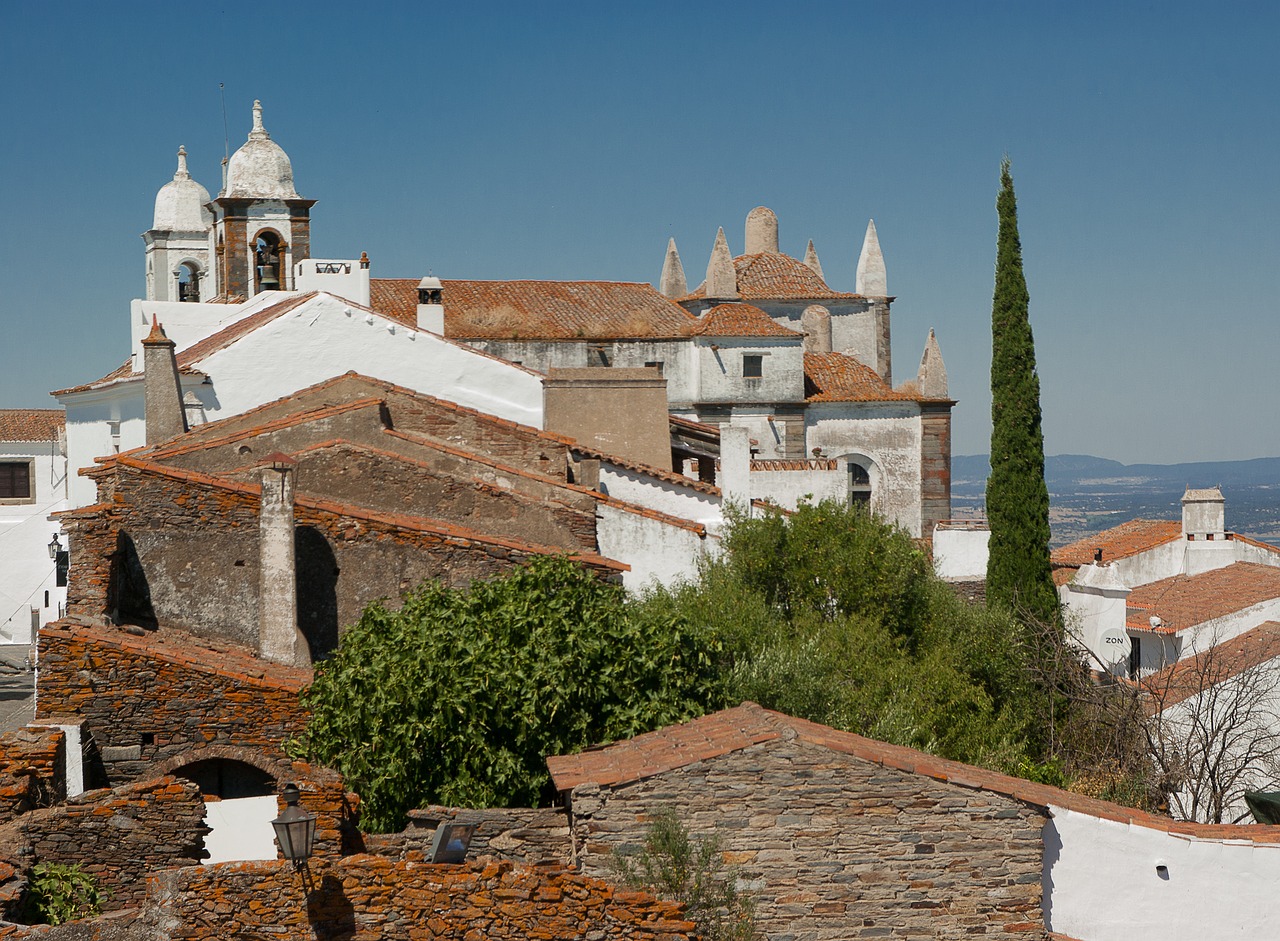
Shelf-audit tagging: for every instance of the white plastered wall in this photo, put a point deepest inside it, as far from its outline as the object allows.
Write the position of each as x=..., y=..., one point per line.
x=664, y=496
x=26, y=571
x=656, y=551
x=1101, y=883
x=960, y=553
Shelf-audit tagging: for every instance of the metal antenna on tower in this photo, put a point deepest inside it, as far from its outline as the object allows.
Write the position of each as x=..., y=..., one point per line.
x=226, y=136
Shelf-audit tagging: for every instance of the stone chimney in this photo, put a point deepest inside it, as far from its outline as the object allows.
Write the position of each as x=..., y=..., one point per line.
x=1204, y=514
x=762, y=231
x=815, y=322
x=431, y=305
x=811, y=261
x=279, y=639
x=161, y=388
x=673, y=282
x=872, y=280
x=619, y=411
x=722, y=280
x=931, y=379
x=734, y=479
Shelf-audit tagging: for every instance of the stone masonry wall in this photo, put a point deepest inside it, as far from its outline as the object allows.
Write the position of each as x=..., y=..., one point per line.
x=31, y=769
x=117, y=836
x=164, y=694
x=368, y=898
x=838, y=847
x=529, y=836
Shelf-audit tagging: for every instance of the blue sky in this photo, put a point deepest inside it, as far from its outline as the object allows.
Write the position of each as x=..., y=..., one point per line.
x=567, y=140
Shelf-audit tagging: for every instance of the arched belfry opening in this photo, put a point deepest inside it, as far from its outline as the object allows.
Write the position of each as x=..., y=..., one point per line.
x=268, y=251
x=187, y=278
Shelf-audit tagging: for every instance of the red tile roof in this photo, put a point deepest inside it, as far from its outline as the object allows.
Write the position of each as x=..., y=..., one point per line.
x=741, y=320
x=835, y=377
x=1185, y=601
x=1119, y=542
x=31, y=424
x=744, y=726
x=776, y=276
x=122, y=373
x=1193, y=675
x=540, y=310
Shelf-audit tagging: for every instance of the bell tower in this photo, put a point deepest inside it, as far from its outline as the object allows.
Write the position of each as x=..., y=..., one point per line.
x=261, y=226
x=178, y=240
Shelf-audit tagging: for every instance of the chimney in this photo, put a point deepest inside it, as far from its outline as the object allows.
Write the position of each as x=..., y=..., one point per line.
x=585, y=404
x=761, y=231
x=161, y=388
x=1204, y=515
x=279, y=639
x=815, y=322
x=735, y=465
x=431, y=305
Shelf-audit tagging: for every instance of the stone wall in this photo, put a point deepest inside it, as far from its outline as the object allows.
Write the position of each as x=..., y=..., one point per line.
x=32, y=765
x=835, y=846
x=529, y=836
x=160, y=695
x=117, y=836
x=368, y=898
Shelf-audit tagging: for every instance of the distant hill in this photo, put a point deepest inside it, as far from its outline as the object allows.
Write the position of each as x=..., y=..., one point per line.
x=1088, y=494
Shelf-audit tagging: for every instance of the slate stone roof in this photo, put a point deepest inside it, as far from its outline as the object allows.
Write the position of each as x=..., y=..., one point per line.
x=31, y=424
x=540, y=310
x=747, y=725
x=1189, y=677
x=741, y=320
x=776, y=276
x=1184, y=601
x=835, y=377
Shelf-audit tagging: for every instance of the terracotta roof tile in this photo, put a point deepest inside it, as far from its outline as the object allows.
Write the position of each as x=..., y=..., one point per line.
x=835, y=377
x=740, y=320
x=1184, y=601
x=543, y=310
x=776, y=276
x=779, y=464
x=31, y=424
x=122, y=373
x=1119, y=542
x=744, y=726
x=1193, y=675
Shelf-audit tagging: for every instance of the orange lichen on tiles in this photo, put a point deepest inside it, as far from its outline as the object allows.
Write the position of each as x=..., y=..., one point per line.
x=1119, y=542
x=1185, y=601
x=31, y=424
x=741, y=320
x=835, y=377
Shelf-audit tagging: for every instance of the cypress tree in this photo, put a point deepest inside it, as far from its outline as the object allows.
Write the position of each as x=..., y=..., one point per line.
x=1018, y=574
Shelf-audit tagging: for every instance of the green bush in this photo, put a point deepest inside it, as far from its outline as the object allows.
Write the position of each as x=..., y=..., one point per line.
x=458, y=696
x=675, y=866
x=58, y=893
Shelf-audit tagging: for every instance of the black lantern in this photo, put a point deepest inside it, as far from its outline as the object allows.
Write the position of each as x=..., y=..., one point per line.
x=54, y=546
x=295, y=828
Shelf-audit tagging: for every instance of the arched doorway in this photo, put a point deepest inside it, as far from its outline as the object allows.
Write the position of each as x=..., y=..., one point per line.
x=240, y=803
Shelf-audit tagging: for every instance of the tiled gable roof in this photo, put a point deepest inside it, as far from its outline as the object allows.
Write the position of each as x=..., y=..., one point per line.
x=1119, y=542
x=741, y=320
x=233, y=332
x=1193, y=675
x=31, y=424
x=748, y=725
x=540, y=310
x=1184, y=601
x=122, y=373
x=776, y=276
x=835, y=377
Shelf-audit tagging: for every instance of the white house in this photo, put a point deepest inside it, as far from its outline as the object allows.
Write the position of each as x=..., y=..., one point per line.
x=33, y=484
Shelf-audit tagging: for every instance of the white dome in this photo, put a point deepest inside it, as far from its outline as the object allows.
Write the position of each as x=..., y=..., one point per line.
x=180, y=204
x=260, y=169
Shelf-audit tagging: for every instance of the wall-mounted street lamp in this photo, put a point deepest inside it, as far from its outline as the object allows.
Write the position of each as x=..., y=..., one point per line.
x=295, y=829
x=54, y=546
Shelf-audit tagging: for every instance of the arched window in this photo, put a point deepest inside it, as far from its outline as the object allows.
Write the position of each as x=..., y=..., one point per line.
x=188, y=283
x=859, y=485
x=266, y=258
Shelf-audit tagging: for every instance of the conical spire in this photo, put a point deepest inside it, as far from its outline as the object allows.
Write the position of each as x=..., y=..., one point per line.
x=673, y=283
x=872, y=280
x=259, y=132
x=932, y=377
x=811, y=261
x=722, y=282
x=182, y=173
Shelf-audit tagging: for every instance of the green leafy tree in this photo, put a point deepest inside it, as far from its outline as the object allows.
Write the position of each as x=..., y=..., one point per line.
x=458, y=696
x=1018, y=572
x=676, y=866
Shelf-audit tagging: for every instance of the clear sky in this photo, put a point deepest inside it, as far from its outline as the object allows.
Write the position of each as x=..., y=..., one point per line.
x=570, y=140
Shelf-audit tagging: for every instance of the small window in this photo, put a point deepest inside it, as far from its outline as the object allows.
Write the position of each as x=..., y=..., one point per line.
x=15, y=482
x=1135, y=657
x=859, y=486
x=656, y=364
x=752, y=365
